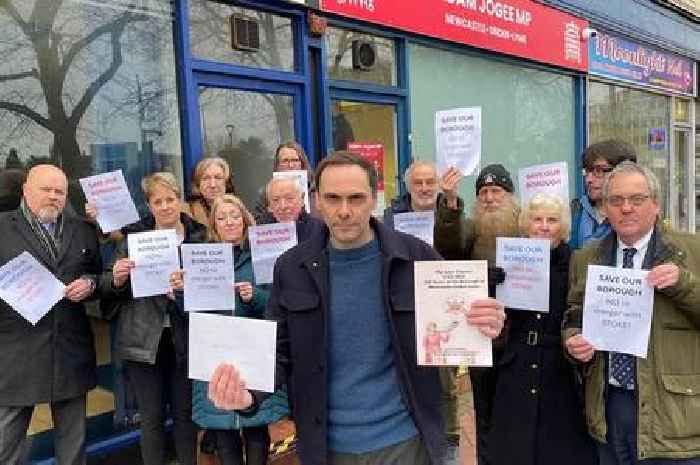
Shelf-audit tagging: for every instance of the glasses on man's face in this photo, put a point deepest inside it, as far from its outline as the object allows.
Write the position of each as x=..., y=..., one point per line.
x=597, y=170
x=619, y=200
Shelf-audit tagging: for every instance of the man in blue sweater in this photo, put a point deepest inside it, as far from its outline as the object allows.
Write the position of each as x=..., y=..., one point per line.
x=344, y=303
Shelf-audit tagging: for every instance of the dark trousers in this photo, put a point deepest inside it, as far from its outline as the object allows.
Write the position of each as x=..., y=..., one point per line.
x=69, y=432
x=410, y=452
x=621, y=416
x=153, y=384
x=483, y=388
x=229, y=446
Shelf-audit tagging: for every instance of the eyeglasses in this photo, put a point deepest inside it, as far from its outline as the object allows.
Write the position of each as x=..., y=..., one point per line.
x=619, y=200
x=597, y=171
x=289, y=161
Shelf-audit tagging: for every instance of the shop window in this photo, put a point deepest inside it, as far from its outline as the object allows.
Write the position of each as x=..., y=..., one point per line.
x=356, y=56
x=639, y=118
x=245, y=128
x=98, y=95
x=89, y=86
x=369, y=130
x=241, y=36
x=527, y=115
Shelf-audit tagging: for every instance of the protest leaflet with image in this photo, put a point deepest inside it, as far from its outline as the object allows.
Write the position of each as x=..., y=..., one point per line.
x=418, y=224
x=110, y=195
x=302, y=178
x=209, y=277
x=458, y=140
x=248, y=344
x=618, y=308
x=552, y=178
x=526, y=263
x=29, y=288
x=267, y=242
x=444, y=292
x=156, y=257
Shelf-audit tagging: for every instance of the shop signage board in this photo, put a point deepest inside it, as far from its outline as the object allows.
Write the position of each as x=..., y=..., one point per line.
x=521, y=28
x=620, y=59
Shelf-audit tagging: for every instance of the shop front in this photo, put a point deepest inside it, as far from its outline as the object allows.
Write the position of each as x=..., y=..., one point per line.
x=152, y=85
x=644, y=96
x=521, y=64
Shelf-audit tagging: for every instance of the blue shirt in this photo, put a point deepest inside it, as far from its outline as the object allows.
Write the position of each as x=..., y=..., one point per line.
x=366, y=411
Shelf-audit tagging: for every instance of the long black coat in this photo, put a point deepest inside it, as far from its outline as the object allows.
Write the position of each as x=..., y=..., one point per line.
x=55, y=359
x=299, y=303
x=537, y=416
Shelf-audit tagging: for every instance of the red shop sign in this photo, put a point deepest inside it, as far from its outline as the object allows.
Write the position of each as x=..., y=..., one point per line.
x=515, y=27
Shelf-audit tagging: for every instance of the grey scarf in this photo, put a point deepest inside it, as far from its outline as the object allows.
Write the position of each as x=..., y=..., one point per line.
x=51, y=242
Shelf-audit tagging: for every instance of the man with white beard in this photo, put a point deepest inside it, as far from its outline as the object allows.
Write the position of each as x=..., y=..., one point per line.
x=458, y=238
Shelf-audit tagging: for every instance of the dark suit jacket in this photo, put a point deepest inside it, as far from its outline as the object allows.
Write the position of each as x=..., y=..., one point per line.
x=55, y=359
x=299, y=303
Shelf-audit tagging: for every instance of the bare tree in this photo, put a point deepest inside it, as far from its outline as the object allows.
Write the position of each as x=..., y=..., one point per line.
x=55, y=56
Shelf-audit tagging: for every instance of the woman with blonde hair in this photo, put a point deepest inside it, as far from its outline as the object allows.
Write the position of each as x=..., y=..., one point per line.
x=151, y=331
x=229, y=221
x=537, y=414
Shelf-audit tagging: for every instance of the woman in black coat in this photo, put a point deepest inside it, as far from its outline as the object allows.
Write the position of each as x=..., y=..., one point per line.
x=538, y=416
x=152, y=332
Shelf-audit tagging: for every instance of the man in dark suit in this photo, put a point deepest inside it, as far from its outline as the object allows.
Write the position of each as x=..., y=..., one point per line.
x=54, y=360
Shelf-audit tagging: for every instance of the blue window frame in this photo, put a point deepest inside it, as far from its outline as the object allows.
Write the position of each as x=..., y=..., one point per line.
x=195, y=72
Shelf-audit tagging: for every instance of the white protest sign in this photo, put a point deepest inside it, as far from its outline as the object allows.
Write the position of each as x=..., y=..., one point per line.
x=29, y=288
x=418, y=224
x=618, y=308
x=156, y=257
x=267, y=242
x=302, y=178
x=458, y=139
x=444, y=291
x=209, y=277
x=112, y=199
x=526, y=263
x=552, y=178
x=248, y=344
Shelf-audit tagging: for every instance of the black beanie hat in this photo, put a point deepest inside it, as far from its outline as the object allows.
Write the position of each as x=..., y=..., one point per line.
x=494, y=175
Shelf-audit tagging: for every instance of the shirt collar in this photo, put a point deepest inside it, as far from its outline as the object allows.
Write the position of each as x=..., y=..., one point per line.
x=642, y=243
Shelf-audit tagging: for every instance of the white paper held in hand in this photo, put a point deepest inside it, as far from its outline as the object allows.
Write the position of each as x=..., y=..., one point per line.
x=248, y=344
x=29, y=288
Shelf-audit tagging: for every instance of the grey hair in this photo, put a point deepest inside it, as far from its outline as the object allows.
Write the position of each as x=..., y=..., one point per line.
x=629, y=168
x=415, y=164
x=281, y=179
x=550, y=203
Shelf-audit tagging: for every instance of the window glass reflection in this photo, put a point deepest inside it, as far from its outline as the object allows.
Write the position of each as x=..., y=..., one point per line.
x=210, y=36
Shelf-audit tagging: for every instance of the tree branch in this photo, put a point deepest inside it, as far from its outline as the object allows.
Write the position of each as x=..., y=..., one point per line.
x=12, y=11
x=83, y=43
x=44, y=12
x=28, y=112
x=107, y=75
x=17, y=76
